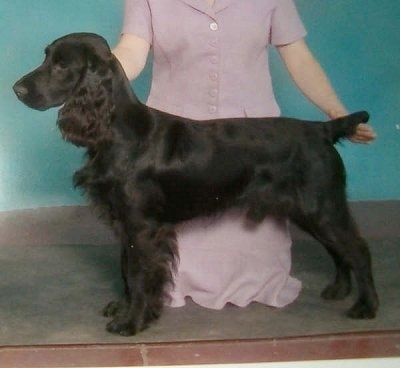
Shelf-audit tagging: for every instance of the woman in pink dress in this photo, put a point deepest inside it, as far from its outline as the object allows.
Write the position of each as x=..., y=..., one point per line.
x=210, y=60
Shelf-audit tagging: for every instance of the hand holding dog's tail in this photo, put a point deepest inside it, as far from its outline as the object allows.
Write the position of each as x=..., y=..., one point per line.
x=346, y=126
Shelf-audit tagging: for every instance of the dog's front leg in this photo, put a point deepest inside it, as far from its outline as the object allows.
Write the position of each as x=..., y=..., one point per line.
x=129, y=314
x=147, y=264
x=118, y=307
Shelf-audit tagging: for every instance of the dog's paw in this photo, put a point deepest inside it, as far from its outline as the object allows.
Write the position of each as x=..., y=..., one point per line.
x=336, y=292
x=122, y=326
x=362, y=310
x=114, y=308
x=125, y=326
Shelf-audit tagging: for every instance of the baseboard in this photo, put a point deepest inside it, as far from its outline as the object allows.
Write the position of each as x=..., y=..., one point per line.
x=376, y=219
x=80, y=225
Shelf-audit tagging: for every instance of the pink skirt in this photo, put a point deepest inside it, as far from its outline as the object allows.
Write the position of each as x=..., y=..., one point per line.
x=224, y=260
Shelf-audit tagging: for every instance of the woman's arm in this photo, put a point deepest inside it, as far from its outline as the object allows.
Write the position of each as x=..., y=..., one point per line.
x=132, y=51
x=313, y=82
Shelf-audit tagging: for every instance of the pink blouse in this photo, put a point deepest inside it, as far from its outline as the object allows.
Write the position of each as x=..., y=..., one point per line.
x=223, y=71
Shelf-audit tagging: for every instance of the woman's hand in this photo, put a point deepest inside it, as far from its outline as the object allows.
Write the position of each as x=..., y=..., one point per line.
x=364, y=132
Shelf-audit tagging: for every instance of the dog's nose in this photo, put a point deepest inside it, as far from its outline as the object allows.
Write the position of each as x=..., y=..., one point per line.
x=20, y=90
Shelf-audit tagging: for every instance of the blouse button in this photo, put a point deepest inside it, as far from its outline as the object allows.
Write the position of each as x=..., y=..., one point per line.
x=214, y=59
x=213, y=43
x=212, y=109
x=213, y=76
x=214, y=26
x=213, y=92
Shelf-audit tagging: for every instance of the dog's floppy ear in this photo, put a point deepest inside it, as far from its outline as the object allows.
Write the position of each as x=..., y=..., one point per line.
x=85, y=118
x=98, y=59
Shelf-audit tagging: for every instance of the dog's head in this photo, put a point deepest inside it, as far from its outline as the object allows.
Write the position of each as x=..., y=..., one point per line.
x=75, y=75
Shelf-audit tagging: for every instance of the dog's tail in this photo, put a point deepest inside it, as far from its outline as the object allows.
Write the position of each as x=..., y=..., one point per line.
x=345, y=126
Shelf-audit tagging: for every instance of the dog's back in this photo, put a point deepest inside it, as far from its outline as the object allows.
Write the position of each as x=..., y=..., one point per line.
x=218, y=163
x=254, y=131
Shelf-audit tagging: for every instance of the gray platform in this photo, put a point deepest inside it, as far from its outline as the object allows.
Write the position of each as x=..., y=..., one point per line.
x=59, y=267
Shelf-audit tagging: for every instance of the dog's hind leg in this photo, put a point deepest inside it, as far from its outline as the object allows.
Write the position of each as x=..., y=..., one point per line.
x=341, y=286
x=334, y=227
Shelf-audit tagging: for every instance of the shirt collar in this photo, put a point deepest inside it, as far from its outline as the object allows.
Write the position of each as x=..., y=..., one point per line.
x=202, y=6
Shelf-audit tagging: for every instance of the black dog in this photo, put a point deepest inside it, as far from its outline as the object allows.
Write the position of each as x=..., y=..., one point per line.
x=149, y=170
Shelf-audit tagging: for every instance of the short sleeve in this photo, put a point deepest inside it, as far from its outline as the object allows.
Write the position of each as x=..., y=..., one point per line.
x=286, y=25
x=137, y=19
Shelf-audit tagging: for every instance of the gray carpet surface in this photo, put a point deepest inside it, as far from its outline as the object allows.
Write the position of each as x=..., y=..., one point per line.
x=54, y=294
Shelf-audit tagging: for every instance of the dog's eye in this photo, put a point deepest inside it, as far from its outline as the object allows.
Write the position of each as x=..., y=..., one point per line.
x=59, y=65
x=59, y=61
